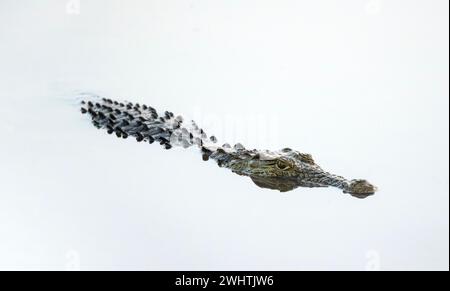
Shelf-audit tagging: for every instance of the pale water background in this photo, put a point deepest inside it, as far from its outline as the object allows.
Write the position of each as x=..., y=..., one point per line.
x=361, y=85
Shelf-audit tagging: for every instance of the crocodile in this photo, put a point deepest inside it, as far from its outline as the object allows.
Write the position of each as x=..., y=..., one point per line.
x=282, y=170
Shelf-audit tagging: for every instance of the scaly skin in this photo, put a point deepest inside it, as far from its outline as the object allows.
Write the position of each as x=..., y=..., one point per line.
x=282, y=170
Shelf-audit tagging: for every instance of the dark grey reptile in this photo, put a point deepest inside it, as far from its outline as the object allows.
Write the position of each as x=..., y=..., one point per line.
x=282, y=170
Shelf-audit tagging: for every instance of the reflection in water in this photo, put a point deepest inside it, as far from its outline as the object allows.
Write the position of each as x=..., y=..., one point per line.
x=288, y=184
x=281, y=184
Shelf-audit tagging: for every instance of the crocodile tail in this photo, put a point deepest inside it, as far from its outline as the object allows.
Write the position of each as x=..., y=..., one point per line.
x=142, y=122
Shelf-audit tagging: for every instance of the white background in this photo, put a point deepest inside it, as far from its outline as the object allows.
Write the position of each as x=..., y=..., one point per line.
x=361, y=85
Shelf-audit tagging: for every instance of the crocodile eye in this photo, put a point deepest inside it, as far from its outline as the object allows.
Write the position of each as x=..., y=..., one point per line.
x=282, y=165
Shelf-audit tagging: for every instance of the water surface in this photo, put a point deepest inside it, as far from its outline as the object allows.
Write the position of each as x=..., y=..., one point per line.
x=365, y=91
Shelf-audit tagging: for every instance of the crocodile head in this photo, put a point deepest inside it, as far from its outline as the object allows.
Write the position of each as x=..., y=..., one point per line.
x=287, y=169
x=283, y=170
